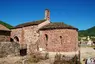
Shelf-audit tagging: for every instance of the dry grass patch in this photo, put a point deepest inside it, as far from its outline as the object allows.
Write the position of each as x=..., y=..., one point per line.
x=61, y=59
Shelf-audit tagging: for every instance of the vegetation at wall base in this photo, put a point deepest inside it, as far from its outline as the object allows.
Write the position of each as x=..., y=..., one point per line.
x=61, y=59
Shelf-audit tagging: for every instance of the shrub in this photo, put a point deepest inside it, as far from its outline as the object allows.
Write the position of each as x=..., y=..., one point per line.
x=61, y=59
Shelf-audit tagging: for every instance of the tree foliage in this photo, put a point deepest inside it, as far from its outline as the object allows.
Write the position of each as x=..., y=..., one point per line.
x=88, y=32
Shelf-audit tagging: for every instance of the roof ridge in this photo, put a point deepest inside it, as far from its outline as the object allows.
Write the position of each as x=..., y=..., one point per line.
x=35, y=22
x=57, y=25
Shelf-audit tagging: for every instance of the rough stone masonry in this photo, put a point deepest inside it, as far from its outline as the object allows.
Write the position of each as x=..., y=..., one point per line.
x=44, y=35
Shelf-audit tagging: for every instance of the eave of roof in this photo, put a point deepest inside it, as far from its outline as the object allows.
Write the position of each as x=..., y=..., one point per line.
x=57, y=25
x=29, y=24
x=5, y=30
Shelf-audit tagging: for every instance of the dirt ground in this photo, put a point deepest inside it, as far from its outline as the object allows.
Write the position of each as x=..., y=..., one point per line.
x=21, y=60
x=9, y=60
x=86, y=52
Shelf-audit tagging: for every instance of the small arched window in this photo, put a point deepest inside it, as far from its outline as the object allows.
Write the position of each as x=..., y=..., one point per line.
x=61, y=39
x=16, y=39
x=46, y=36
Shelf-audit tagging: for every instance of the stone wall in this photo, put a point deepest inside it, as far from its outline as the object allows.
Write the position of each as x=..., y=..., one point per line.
x=56, y=40
x=2, y=27
x=28, y=35
x=4, y=38
x=4, y=33
x=59, y=40
x=16, y=32
x=9, y=48
x=30, y=38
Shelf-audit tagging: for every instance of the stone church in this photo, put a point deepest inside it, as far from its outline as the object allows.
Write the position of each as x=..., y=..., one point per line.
x=44, y=35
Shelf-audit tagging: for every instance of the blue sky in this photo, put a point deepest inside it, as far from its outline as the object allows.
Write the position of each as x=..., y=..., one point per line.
x=78, y=13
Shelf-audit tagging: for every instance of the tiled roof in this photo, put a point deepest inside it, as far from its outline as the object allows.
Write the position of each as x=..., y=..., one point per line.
x=8, y=26
x=3, y=28
x=29, y=23
x=57, y=25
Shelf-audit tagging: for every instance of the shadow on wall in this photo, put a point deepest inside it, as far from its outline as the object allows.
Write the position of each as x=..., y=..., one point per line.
x=23, y=47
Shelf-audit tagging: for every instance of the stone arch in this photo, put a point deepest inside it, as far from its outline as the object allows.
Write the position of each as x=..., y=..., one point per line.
x=16, y=39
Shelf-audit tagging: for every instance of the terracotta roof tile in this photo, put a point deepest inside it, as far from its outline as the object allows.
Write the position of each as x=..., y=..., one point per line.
x=57, y=25
x=29, y=23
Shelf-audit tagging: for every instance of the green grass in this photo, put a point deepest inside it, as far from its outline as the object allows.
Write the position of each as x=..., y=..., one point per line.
x=92, y=46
